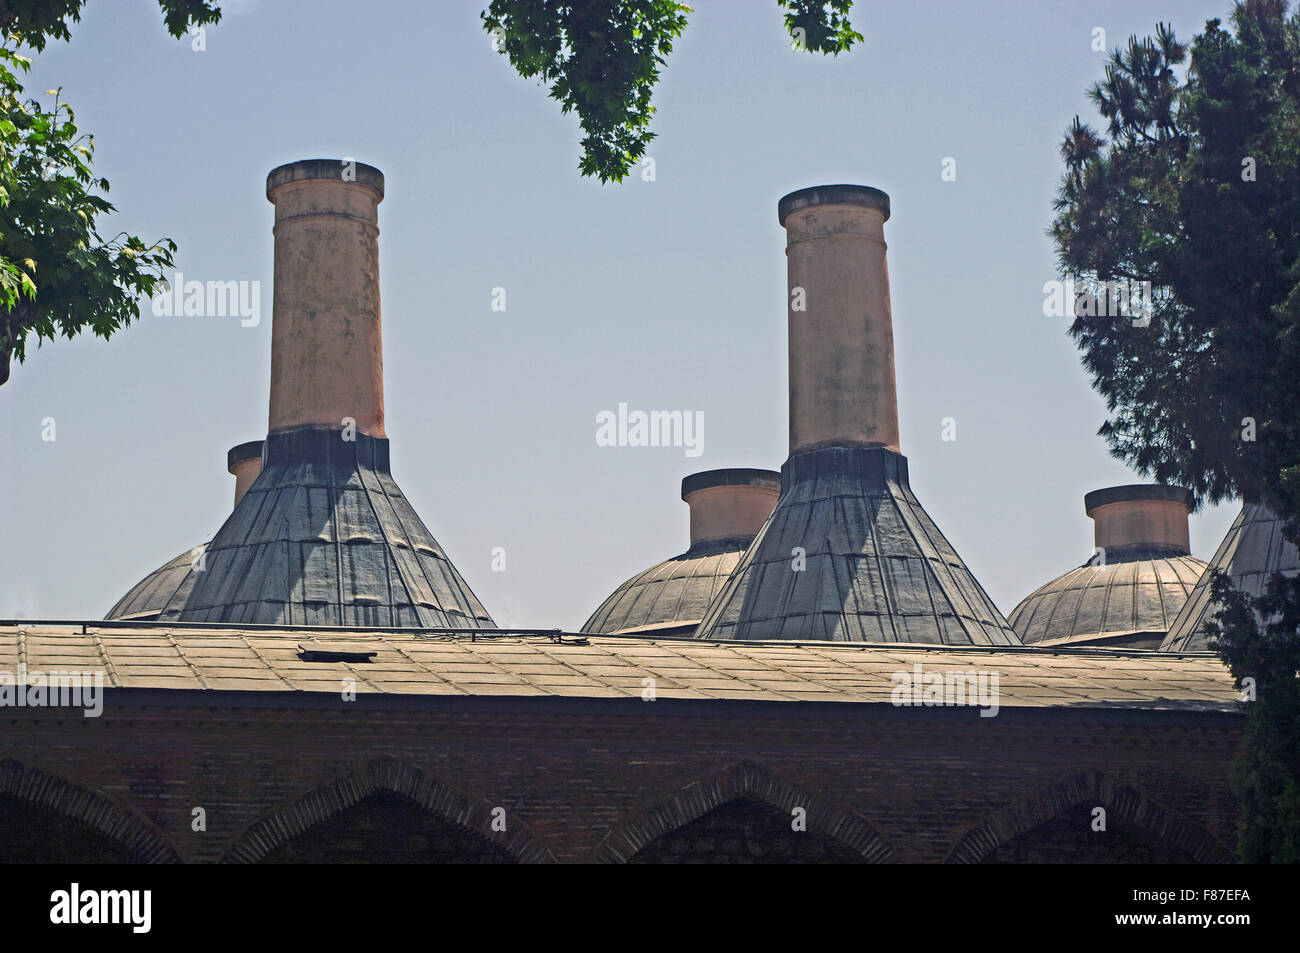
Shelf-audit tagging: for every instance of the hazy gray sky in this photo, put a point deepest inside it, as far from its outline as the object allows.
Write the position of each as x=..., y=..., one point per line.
x=665, y=294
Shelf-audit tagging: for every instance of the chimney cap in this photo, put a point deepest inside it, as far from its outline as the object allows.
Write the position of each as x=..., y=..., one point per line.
x=730, y=476
x=1135, y=492
x=832, y=195
x=243, y=453
x=305, y=169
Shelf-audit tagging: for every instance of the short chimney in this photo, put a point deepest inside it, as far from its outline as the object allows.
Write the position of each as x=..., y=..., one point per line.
x=1140, y=516
x=326, y=355
x=244, y=463
x=842, y=391
x=729, y=504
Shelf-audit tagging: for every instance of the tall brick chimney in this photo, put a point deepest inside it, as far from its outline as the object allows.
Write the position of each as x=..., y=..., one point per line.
x=848, y=554
x=325, y=536
x=327, y=360
x=842, y=390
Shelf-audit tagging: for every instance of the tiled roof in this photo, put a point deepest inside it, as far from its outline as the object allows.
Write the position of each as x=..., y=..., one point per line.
x=324, y=536
x=162, y=593
x=1253, y=549
x=872, y=565
x=674, y=592
x=1106, y=601
x=220, y=659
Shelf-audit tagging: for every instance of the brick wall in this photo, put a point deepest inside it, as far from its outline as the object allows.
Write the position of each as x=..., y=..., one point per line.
x=602, y=782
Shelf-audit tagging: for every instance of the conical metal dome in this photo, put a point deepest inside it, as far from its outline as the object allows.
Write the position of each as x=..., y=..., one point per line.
x=849, y=553
x=325, y=537
x=1132, y=588
x=727, y=509
x=1253, y=549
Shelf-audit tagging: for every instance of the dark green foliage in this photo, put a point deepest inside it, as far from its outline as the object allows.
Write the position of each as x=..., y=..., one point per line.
x=1161, y=198
x=1195, y=187
x=820, y=26
x=36, y=22
x=58, y=274
x=1258, y=639
x=602, y=59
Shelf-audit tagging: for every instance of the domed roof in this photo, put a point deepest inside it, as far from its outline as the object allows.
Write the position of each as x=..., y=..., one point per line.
x=670, y=594
x=160, y=595
x=1139, y=577
x=1253, y=549
x=1119, y=601
x=727, y=509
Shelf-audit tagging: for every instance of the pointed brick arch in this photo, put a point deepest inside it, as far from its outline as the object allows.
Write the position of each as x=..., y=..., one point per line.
x=131, y=831
x=384, y=774
x=1095, y=788
x=741, y=780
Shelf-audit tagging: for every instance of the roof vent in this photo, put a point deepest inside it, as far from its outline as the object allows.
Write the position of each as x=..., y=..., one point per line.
x=244, y=463
x=1145, y=517
x=349, y=653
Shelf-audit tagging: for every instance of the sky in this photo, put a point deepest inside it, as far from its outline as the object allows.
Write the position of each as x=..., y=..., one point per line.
x=663, y=293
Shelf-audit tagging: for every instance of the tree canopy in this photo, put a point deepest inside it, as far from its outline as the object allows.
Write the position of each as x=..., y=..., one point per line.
x=35, y=22
x=1195, y=187
x=1193, y=190
x=602, y=59
x=58, y=274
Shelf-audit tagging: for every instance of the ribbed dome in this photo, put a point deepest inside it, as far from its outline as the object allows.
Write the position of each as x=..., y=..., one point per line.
x=1139, y=577
x=1253, y=549
x=1130, y=601
x=728, y=508
x=671, y=594
x=159, y=596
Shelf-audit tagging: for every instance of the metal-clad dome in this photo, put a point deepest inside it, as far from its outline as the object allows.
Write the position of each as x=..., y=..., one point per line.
x=160, y=595
x=850, y=555
x=1253, y=549
x=1138, y=579
x=671, y=594
x=727, y=508
x=324, y=536
x=1128, y=602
